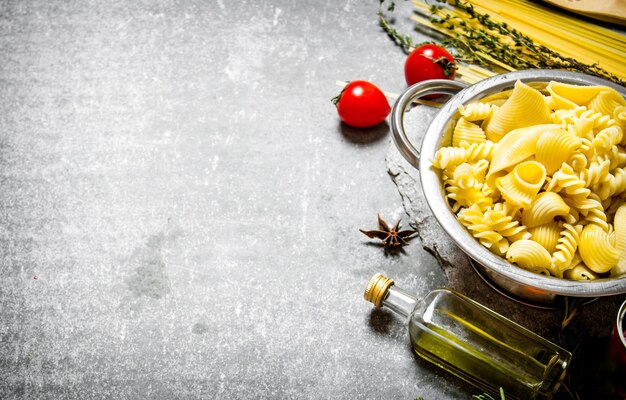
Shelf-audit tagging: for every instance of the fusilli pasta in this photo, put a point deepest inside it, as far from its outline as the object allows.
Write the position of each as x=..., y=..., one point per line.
x=541, y=180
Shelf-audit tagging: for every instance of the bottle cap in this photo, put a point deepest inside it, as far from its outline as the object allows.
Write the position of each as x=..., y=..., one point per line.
x=377, y=288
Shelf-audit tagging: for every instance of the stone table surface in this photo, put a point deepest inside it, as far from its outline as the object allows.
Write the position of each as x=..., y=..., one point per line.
x=179, y=206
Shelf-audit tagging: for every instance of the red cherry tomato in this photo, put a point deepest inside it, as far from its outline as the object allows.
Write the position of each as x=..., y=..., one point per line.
x=362, y=105
x=429, y=61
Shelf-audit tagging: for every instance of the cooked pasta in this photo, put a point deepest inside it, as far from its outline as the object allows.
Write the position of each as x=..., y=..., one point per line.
x=450, y=157
x=545, y=207
x=474, y=219
x=615, y=184
x=596, y=249
x=466, y=133
x=546, y=235
x=464, y=187
x=555, y=147
x=568, y=181
x=525, y=107
x=606, y=102
x=516, y=146
x=607, y=138
x=521, y=185
x=573, y=94
x=476, y=111
x=530, y=255
x=541, y=179
x=580, y=273
x=567, y=245
x=620, y=240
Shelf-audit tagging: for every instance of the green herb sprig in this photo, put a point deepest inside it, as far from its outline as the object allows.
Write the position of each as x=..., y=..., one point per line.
x=405, y=42
x=477, y=43
x=506, y=44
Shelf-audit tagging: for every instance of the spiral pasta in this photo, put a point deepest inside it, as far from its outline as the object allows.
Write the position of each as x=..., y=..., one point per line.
x=607, y=138
x=595, y=173
x=477, y=111
x=464, y=187
x=566, y=247
x=617, y=157
x=450, y=157
x=614, y=184
x=541, y=180
x=474, y=219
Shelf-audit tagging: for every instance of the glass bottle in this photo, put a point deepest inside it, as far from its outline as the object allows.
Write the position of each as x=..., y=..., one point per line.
x=475, y=343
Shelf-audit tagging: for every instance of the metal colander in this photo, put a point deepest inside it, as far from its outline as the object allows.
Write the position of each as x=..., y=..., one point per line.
x=513, y=279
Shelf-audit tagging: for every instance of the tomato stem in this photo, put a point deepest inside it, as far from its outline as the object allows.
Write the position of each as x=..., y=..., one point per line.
x=446, y=65
x=336, y=99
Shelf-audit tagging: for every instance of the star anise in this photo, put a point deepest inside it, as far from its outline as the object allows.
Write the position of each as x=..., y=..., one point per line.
x=391, y=237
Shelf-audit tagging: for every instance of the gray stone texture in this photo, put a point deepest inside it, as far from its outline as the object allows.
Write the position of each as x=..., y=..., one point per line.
x=179, y=205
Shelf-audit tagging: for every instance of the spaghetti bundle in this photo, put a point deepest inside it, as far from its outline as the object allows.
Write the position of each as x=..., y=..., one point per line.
x=517, y=34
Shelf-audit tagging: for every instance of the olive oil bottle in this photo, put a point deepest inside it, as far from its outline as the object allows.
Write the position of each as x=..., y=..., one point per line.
x=474, y=342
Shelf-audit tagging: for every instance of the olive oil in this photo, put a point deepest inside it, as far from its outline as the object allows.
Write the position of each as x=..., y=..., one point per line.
x=475, y=343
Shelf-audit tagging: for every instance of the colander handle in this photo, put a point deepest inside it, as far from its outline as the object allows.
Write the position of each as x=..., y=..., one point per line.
x=418, y=90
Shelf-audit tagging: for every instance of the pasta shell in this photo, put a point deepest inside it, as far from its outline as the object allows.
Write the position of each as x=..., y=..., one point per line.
x=619, y=224
x=517, y=146
x=529, y=255
x=596, y=250
x=546, y=195
x=606, y=101
x=466, y=133
x=521, y=185
x=547, y=235
x=543, y=209
x=555, y=147
x=620, y=118
x=579, y=95
x=525, y=107
x=580, y=273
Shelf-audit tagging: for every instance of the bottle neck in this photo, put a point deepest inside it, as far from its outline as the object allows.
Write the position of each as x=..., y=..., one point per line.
x=399, y=301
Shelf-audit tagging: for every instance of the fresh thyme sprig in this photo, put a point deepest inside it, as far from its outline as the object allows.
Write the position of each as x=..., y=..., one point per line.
x=403, y=41
x=506, y=44
x=478, y=39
